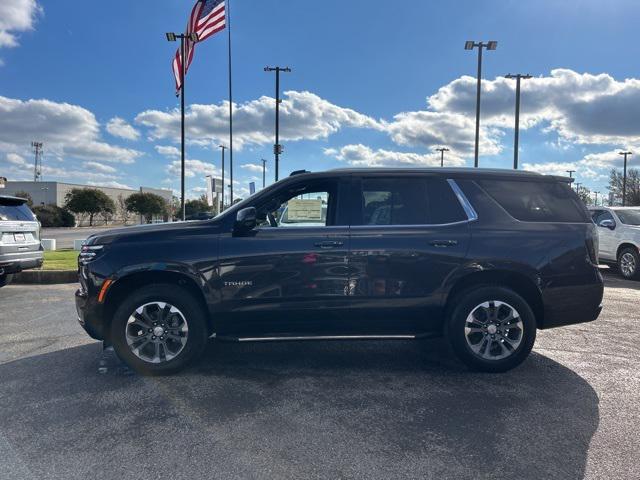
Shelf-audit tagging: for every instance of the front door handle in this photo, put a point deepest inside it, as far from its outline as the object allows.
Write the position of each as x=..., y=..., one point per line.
x=443, y=243
x=329, y=244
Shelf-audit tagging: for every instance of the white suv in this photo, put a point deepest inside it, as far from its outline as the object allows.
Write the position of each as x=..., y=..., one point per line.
x=619, y=233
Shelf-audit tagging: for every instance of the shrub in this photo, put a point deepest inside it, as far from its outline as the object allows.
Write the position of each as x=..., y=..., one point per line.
x=54, y=216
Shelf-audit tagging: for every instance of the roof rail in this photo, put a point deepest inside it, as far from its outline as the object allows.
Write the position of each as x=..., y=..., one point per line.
x=298, y=172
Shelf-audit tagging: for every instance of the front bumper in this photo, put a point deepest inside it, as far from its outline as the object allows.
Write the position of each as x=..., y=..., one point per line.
x=90, y=311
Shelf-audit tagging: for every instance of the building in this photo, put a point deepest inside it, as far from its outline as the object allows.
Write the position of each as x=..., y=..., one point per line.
x=53, y=193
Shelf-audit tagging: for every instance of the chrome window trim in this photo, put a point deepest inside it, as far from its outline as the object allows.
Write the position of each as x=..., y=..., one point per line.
x=464, y=202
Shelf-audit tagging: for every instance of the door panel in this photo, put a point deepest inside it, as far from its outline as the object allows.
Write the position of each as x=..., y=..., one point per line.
x=397, y=273
x=284, y=280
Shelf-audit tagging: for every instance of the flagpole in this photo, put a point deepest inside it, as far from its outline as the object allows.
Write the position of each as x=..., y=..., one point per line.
x=182, y=162
x=228, y=20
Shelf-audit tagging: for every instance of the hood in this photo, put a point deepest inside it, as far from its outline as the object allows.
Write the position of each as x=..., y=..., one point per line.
x=142, y=231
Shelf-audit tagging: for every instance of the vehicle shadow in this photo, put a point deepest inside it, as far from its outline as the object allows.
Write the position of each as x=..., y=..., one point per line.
x=613, y=279
x=297, y=410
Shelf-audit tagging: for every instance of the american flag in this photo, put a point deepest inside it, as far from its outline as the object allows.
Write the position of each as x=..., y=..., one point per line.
x=207, y=19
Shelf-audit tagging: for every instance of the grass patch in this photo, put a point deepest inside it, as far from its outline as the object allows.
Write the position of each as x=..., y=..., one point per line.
x=60, y=260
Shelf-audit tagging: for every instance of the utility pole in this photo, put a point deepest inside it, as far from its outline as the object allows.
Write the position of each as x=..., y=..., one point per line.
x=277, y=148
x=442, y=150
x=37, y=169
x=624, y=178
x=470, y=45
x=518, y=77
x=264, y=171
x=596, y=201
x=223, y=148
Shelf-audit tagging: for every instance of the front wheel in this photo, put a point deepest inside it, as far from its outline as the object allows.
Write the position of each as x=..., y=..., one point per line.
x=491, y=329
x=159, y=329
x=629, y=263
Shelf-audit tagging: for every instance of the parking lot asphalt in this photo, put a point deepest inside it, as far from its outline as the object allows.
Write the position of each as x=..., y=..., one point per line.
x=318, y=410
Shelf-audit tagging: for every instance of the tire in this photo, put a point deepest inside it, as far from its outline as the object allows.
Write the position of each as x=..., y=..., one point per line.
x=473, y=343
x=140, y=342
x=629, y=263
x=5, y=279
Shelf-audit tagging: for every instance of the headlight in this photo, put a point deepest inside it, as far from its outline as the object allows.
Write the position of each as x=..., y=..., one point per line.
x=88, y=252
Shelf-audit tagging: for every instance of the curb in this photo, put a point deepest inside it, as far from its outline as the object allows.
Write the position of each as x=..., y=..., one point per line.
x=45, y=277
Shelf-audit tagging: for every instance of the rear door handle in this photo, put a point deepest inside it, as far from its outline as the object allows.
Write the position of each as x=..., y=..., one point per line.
x=443, y=243
x=329, y=244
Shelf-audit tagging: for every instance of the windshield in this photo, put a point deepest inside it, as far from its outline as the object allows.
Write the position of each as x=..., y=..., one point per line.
x=629, y=217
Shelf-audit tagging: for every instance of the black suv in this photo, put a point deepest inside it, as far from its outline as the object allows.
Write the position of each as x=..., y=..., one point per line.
x=484, y=256
x=20, y=247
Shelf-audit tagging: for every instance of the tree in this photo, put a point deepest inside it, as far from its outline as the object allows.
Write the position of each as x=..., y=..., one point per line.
x=633, y=187
x=146, y=204
x=193, y=207
x=54, y=216
x=26, y=196
x=88, y=201
x=121, y=209
x=585, y=195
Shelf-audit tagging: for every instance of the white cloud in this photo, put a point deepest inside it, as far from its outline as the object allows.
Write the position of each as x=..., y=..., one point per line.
x=118, y=127
x=580, y=107
x=100, y=167
x=363, y=156
x=253, y=167
x=167, y=151
x=65, y=129
x=16, y=16
x=192, y=169
x=111, y=184
x=303, y=116
x=15, y=159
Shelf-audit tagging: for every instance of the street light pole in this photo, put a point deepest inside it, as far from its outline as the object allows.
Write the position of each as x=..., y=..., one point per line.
x=517, y=77
x=264, y=171
x=624, y=178
x=470, y=45
x=442, y=150
x=172, y=37
x=223, y=148
x=277, y=148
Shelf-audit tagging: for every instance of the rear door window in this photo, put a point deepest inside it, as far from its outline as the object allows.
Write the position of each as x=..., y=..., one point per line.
x=536, y=201
x=409, y=201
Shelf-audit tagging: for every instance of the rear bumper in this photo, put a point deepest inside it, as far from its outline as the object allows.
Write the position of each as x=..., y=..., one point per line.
x=571, y=304
x=16, y=262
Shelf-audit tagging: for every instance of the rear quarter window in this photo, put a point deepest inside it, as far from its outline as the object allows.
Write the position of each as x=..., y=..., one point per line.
x=536, y=201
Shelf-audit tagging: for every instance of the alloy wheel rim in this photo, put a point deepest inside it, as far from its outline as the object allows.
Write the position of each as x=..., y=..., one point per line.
x=156, y=332
x=493, y=330
x=628, y=264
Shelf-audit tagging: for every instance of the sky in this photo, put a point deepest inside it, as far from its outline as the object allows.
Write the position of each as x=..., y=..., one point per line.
x=373, y=84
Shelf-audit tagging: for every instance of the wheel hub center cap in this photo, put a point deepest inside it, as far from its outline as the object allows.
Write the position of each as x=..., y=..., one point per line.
x=492, y=329
x=158, y=331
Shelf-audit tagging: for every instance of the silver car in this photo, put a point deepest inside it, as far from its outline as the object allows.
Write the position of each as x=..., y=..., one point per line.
x=20, y=246
x=619, y=236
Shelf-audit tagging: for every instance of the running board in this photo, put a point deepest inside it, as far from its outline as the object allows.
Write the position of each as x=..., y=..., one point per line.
x=303, y=338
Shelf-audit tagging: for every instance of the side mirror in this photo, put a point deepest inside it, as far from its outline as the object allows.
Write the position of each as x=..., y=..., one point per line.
x=608, y=223
x=246, y=220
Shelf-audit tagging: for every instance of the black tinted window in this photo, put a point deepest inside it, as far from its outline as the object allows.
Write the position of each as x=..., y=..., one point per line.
x=394, y=201
x=409, y=201
x=532, y=201
x=444, y=206
x=15, y=212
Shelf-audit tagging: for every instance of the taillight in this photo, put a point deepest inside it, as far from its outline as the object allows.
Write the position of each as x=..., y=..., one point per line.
x=593, y=245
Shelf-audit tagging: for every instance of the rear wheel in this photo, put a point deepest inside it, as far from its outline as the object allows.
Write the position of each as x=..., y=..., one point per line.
x=5, y=279
x=159, y=329
x=629, y=263
x=491, y=329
